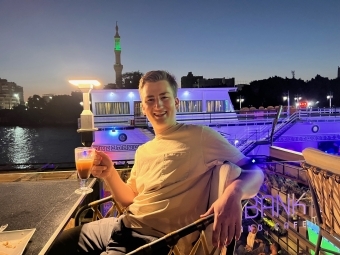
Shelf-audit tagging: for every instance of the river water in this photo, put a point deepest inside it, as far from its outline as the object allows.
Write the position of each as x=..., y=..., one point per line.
x=21, y=145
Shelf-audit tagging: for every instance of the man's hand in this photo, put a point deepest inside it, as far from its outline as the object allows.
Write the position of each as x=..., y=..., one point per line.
x=103, y=168
x=248, y=248
x=102, y=165
x=228, y=218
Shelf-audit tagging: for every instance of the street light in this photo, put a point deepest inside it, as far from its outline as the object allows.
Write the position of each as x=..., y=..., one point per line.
x=288, y=103
x=10, y=101
x=329, y=97
x=297, y=99
x=86, y=117
x=240, y=99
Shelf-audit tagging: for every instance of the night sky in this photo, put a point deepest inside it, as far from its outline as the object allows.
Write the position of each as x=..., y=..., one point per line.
x=44, y=43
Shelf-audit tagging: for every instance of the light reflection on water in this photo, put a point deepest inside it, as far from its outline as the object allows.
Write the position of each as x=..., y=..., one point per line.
x=20, y=145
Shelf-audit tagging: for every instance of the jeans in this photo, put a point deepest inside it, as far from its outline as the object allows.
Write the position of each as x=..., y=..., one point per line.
x=103, y=237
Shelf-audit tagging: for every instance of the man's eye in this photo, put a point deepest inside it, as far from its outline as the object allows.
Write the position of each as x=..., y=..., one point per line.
x=164, y=97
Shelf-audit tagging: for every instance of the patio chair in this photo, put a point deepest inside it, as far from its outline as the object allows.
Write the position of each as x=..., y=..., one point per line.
x=203, y=244
x=323, y=172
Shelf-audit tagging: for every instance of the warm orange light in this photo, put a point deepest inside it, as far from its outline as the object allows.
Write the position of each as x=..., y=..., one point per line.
x=84, y=82
x=303, y=104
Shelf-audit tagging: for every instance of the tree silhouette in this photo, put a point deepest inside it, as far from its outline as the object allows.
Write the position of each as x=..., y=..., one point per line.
x=63, y=109
x=36, y=102
x=131, y=79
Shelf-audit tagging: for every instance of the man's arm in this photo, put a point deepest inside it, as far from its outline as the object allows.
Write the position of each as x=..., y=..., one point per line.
x=249, y=181
x=228, y=209
x=103, y=168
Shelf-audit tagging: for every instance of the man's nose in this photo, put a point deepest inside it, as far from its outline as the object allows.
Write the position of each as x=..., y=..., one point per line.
x=159, y=103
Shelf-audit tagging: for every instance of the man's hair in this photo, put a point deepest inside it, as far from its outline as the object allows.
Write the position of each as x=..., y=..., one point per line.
x=159, y=75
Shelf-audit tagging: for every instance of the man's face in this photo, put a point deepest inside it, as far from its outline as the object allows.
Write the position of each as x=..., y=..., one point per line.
x=254, y=230
x=159, y=104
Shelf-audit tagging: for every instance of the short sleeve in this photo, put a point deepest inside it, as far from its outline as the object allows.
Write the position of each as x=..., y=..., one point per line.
x=216, y=147
x=131, y=182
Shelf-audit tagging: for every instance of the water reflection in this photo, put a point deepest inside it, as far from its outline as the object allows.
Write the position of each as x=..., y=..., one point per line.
x=20, y=145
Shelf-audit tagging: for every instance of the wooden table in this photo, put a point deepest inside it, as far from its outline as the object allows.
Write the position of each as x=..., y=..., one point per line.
x=44, y=205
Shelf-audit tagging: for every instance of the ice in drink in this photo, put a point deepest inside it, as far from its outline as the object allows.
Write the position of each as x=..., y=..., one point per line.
x=84, y=167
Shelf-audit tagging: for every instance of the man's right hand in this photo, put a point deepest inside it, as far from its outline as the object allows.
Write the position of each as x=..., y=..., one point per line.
x=102, y=166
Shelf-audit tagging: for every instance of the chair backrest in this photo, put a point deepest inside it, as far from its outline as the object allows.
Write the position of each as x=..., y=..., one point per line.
x=324, y=177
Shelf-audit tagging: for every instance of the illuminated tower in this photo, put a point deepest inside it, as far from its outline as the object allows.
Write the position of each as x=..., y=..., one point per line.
x=118, y=66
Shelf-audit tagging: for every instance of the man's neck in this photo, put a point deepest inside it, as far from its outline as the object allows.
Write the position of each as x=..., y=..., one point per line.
x=161, y=130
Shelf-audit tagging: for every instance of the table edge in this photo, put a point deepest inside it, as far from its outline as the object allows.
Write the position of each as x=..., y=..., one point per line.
x=64, y=221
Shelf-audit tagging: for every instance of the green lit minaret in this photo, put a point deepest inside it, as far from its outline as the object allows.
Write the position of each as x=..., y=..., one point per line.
x=118, y=65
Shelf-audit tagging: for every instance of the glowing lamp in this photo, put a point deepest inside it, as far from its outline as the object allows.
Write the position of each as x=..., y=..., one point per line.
x=84, y=83
x=86, y=117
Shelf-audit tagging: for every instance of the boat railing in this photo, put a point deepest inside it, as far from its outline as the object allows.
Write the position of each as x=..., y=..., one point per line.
x=249, y=116
x=225, y=118
x=289, y=169
x=36, y=166
x=320, y=114
x=284, y=124
x=264, y=134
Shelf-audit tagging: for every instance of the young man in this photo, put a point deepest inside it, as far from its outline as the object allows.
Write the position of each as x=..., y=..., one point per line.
x=169, y=182
x=252, y=242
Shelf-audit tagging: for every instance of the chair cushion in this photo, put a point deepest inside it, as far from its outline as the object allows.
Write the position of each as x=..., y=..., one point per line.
x=322, y=160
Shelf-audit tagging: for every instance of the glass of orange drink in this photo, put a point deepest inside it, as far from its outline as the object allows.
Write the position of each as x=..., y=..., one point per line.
x=84, y=157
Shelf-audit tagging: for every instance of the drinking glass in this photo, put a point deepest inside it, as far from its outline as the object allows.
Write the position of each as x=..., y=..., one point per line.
x=84, y=157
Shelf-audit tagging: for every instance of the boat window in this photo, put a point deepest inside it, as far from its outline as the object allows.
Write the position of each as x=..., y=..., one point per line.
x=190, y=106
x=104, y=108
x=217, y=106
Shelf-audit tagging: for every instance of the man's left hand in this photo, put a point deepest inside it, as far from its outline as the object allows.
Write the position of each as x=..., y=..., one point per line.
x=228, y=218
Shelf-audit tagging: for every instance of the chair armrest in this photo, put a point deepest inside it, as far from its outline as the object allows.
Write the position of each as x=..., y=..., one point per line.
x=172, y=238
x=94, y=206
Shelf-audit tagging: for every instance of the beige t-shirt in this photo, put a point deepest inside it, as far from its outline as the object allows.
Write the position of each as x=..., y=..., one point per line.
x=171, y=178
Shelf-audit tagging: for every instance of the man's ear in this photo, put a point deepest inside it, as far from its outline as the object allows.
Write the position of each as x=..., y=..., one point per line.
x=177, y=103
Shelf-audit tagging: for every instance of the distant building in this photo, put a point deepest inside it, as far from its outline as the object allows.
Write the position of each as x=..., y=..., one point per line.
x=191, y=81
x=338, y=72
x=47, y=97
x=10, y=94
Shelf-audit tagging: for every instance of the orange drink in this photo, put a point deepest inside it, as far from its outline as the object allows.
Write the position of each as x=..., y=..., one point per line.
x=84, y=168
x=84, y=157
